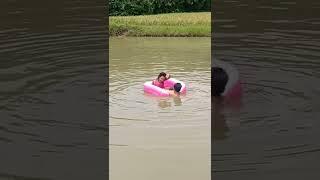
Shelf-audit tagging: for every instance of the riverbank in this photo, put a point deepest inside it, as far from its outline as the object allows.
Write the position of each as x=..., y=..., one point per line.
x=162, y=25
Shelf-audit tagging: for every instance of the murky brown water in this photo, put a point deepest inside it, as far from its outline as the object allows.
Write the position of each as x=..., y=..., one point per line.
x=159, y=138
x=275, y=45
x=53, y=115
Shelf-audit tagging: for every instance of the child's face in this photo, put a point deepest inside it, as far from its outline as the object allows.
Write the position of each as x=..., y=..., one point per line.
x=161, y=79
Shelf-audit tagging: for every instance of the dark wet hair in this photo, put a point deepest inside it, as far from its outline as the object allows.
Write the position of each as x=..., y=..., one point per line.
x=162, y=74
x=219, y=80
x=177, y=87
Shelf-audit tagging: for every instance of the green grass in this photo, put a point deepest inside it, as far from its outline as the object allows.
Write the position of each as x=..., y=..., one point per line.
x=173, y=24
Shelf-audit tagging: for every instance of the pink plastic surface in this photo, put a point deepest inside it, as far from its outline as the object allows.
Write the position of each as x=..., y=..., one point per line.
x=234, y=91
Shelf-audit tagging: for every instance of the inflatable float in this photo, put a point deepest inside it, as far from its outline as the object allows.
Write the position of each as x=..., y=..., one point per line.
x=233, y=88
x=151, y=89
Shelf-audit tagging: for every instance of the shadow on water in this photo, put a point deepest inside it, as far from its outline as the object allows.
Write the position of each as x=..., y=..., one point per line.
x=52, y=97
x=275, y=46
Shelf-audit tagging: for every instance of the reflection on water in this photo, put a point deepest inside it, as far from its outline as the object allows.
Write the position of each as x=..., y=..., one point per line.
x=53, y=116
x=177, y=101
x=165, y=102
x=219, y=125
x=153, y=137
x=275, y=46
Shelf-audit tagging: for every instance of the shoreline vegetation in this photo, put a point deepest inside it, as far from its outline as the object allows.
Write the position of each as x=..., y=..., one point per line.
x=162, y=25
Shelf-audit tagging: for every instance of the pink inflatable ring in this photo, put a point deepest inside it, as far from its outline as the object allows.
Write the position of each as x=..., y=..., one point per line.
x=149, y=88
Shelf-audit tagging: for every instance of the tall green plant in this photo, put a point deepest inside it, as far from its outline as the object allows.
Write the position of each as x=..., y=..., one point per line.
x=144, y=7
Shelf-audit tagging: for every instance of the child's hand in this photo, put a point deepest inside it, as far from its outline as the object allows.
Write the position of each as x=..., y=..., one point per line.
x=167, y=76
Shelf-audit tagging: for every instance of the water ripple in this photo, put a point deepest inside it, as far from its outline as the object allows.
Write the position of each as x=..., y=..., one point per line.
x=277, y=54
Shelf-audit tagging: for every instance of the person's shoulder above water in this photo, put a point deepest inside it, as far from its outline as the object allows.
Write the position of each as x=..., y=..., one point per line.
x=175, y=91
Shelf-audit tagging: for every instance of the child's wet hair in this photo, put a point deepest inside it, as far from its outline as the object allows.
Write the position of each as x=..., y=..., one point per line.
x=162, y=74
x=177, y=87
x=219, y=80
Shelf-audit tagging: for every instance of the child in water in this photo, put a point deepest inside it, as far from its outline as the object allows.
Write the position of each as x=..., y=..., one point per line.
x=175, y=91
x=160, y=80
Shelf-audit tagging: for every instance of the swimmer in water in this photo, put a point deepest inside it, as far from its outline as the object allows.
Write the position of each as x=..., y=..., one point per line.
x=219, y=80
x=175, y=91
x=160, y=80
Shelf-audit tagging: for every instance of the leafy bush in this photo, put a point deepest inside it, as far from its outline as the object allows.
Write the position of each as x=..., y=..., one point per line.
x=144, y=7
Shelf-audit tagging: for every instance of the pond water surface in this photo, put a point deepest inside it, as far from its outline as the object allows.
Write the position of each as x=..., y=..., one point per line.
x=275, y=46
x=159, y=138
x=53, y=113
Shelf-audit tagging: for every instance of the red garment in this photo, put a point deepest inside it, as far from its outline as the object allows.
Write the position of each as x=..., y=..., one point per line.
x=159, y=84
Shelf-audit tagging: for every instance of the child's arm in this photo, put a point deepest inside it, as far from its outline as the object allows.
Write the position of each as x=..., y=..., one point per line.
x=153, y=82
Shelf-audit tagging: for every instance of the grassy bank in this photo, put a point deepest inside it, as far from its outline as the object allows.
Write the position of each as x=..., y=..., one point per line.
x=173, y=24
